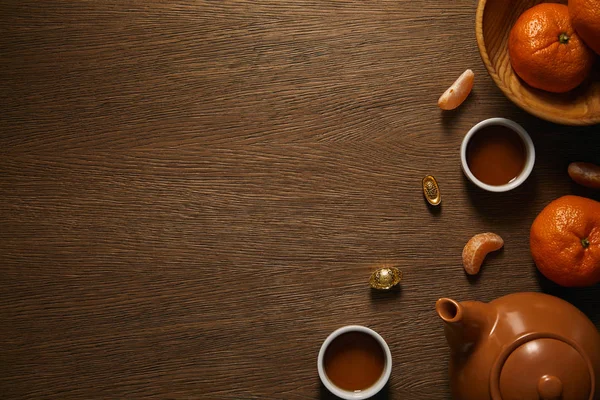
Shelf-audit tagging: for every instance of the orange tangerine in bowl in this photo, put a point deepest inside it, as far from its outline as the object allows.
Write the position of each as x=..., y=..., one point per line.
x=546, y=51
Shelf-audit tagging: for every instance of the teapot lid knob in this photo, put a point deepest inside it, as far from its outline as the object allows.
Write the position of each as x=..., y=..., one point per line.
x=550, y=387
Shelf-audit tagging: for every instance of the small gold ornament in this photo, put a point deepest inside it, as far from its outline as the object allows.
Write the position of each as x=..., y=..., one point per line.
x=385, y=278
x=431, y=190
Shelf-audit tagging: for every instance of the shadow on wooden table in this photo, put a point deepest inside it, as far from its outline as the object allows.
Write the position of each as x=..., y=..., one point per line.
x=586, y=299
x=434, y=210
x=582, y=191
x=385, y=295
x=450, y=118
x=325, y=394
x=507, y=206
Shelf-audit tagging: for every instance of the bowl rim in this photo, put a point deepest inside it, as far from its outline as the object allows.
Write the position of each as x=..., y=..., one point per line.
x=556, y=118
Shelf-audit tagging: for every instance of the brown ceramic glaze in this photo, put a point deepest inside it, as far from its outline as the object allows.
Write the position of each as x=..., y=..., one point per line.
x=521, y=346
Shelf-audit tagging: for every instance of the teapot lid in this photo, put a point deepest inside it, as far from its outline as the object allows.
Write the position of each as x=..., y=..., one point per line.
x=542, y=366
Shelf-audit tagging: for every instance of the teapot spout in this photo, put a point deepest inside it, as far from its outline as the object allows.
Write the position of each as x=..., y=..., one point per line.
x=464, y=323
x=450, y=311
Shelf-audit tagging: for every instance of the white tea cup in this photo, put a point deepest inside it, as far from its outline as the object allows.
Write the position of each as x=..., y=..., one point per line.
x=527, y=144
x=362, y=394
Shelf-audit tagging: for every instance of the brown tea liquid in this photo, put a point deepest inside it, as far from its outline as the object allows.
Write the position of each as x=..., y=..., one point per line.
x=354, y=361
x=496, y=155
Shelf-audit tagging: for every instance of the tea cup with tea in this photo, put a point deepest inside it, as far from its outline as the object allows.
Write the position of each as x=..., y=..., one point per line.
x=497, y=155
x=354, y=362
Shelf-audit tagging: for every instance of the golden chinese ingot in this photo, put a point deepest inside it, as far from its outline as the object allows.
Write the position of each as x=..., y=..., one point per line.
x=385, y=278
x=431, y=190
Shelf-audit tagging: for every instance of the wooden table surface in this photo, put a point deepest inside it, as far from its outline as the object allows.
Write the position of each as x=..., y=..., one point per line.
x=193, y=194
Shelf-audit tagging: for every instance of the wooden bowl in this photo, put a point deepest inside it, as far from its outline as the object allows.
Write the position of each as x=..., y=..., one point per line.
x=494, y=21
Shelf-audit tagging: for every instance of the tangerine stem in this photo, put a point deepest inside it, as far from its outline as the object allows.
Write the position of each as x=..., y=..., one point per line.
x=563, y=38
x=585, y=242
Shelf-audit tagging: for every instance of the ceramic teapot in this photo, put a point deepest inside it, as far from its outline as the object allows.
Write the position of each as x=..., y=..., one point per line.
x=521, y=346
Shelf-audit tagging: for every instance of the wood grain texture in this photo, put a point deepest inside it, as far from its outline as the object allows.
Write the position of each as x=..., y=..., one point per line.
x=494, y=21
x=193, y=194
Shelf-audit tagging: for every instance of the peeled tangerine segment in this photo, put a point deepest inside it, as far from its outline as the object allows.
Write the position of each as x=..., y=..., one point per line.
x=458, y=92
x=477, y=248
